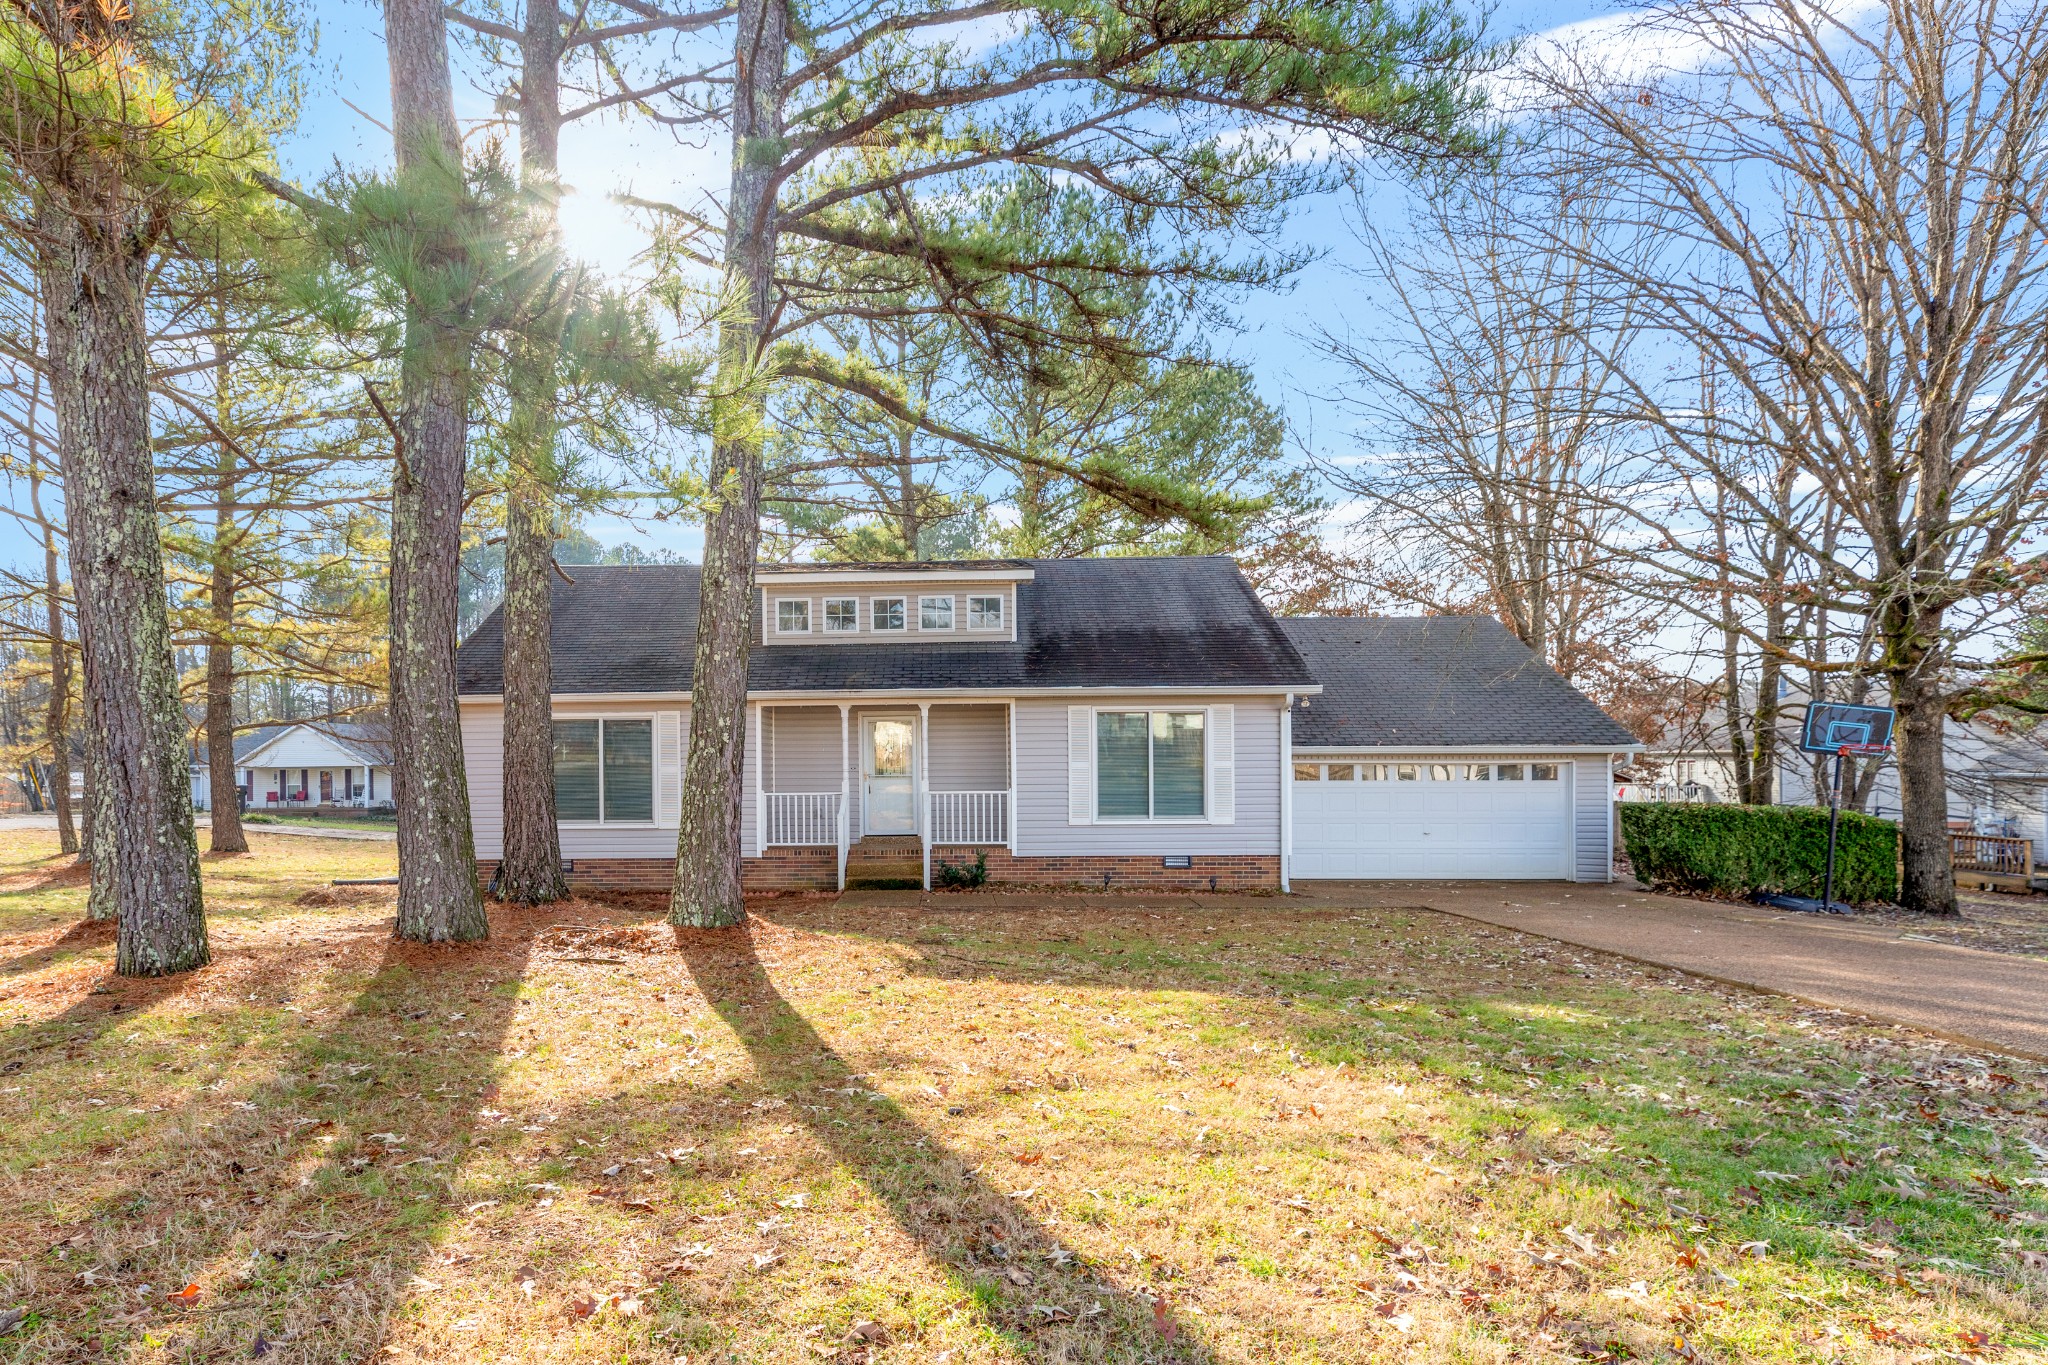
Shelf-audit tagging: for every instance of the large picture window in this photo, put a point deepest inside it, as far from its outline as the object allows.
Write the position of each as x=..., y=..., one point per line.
x=1149, y=765
x=604, y=771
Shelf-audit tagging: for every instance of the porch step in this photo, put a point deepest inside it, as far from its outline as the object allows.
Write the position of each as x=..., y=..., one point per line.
x=885, y=862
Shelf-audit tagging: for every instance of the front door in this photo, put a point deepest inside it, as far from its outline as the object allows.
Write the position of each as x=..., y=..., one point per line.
x=327, y=789
x=888, y=788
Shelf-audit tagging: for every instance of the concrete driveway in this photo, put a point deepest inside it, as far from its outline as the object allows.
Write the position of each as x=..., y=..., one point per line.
x=1986, y=999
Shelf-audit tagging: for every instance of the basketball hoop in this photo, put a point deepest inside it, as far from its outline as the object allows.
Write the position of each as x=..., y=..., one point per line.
x=1862, y=750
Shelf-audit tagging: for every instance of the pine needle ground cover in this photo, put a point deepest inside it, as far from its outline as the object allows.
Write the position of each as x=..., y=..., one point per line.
x=1233, y=1131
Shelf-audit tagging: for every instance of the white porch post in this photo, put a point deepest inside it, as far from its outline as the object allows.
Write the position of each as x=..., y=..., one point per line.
x=1010, y=808
x=924, y=794
x=759, y=725
x=1287, y=793
x=845, y=793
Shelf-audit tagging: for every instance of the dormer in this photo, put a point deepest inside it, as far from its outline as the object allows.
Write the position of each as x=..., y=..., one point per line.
x=945, y=602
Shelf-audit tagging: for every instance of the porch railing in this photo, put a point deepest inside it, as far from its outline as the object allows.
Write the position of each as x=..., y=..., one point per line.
x=1993, y=854
x=801, y=819
x=970, y=817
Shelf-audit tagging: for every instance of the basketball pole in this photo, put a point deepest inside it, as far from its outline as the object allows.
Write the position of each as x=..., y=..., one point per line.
x=1827, y=895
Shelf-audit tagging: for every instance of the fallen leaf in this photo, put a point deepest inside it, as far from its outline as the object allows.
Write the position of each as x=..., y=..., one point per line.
x=186, y=1295
x=583, y=1308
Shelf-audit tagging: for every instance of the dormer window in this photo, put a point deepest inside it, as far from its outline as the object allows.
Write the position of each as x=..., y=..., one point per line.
x=984, y=613
x=934, y=613
x=793, y=617
x=842, y=614
x=886, y=613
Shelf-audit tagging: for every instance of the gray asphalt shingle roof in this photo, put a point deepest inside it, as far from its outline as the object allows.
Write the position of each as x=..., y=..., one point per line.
x=1422, y=681
x=1126, y=622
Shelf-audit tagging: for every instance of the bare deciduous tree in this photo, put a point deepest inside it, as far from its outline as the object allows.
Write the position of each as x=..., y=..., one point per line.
x=1849, y=209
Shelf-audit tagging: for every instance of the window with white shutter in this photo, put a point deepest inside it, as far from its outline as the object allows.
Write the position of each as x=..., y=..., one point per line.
x=1222, y=765
x=1080, y=765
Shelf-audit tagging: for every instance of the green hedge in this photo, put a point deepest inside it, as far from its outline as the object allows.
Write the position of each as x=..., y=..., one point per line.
x=1734, y=850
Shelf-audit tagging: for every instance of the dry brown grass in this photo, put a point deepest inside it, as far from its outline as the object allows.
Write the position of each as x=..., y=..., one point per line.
x=1205, y=1131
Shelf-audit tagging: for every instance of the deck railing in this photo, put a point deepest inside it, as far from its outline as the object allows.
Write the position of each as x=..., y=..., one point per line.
x=970, y=817
x=800, y=819
x=1993, y=854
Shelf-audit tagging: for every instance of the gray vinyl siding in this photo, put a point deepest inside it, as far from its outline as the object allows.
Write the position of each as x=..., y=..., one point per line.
x=1592, y=821
x=1042, y=828
x=802, y=753
x=865, y=593
x=970, y=749
x=483, y=753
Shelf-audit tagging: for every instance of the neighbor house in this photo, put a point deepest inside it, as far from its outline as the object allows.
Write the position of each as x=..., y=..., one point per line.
x=1997, y=775
x=338, y=764
x=1115, y=721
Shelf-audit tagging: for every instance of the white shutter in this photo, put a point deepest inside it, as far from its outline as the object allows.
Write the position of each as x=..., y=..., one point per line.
x=668, y=768
x=1222, y=748
x=1080, y=765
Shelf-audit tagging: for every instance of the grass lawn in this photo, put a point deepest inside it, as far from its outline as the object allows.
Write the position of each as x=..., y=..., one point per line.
x=377, y=820
x=1236, y=1131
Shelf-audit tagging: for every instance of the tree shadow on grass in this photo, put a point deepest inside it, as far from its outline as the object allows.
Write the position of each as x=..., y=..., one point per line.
x=1031, y=1289
x=81, y=936
x=301, y=1205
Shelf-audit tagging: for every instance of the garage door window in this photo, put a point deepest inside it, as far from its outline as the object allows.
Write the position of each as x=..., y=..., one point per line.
x=1406, y=772
x=1308, y=772
x=1149, y=765
x=1543, y=772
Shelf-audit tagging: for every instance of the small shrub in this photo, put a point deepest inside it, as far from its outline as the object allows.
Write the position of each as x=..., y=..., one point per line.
x=964, y=875
x=259, y=819
x=1734, y=850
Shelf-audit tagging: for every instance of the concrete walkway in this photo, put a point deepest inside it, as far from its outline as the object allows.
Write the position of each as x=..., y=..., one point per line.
x=1994, y=1000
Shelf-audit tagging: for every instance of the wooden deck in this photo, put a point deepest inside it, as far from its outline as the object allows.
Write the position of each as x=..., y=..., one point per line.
x=1997, y=863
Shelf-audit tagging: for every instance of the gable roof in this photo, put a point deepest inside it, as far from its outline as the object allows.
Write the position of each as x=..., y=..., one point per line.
x=1426, y=681
x=358, y=741
x=1123, y=622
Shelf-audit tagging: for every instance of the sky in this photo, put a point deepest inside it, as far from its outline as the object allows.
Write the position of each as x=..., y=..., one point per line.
x=1275, y=338
x=348, y=98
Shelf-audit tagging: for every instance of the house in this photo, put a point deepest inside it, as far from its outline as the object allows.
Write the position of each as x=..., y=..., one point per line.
x=308, y=765
x=1997, y=778
x=1120, y=721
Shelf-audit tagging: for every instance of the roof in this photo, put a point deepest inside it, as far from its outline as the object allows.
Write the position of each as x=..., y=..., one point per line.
x=1095, y=623
x=1437, y=681
x=363, y=741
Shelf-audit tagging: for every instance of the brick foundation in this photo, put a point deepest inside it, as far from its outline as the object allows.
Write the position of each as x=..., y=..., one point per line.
x=816, y=869
x=1230, y=871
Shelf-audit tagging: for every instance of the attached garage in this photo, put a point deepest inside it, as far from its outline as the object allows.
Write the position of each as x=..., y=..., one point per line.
x=1441, y=747
x=1432, y=817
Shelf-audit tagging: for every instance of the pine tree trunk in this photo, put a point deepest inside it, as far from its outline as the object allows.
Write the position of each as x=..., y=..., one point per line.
x=707, y=887
x=438, y=899
x=530, y=870
x=530, y=866
x=93, y=278
x=1928, y=883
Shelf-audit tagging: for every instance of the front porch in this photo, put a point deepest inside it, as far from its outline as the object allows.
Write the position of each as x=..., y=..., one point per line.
x=883, y=785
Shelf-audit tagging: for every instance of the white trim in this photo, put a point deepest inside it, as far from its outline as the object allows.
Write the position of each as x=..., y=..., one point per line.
x=952, y=602
x=825, y=626
x=757, y=728
x=1011, y=721
x=826, y=696
x=654, y=755
x=845, y=792
x=904, y=629
x=1287, y=796
x=1002, y=610
x=1095, y=815
x=940, y=574
x=775, y=606
x=1311, y=751
x=924, y=789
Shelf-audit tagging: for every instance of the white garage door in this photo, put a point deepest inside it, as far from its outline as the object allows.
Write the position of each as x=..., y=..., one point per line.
x=1426, y=819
